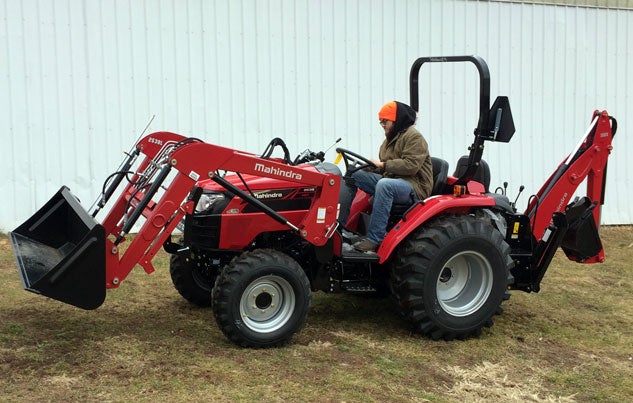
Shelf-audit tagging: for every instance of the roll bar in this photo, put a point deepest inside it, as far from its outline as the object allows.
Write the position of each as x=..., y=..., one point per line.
x=482, y=132
x=484, y=82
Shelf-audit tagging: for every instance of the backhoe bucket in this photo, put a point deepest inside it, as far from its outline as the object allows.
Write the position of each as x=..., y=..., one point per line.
x=60, y=252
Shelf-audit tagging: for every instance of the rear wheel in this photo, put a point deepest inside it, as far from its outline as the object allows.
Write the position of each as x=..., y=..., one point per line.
x=261, y=299
x=451, y=277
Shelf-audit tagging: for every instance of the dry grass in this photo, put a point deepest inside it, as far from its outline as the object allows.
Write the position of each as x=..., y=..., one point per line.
x=571, y=342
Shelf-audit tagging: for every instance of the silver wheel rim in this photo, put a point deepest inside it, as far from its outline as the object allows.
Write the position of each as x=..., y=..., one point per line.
x=464, y=283
x=267, y=304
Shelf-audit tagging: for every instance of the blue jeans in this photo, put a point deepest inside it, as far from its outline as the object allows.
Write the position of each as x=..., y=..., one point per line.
x=385, y=192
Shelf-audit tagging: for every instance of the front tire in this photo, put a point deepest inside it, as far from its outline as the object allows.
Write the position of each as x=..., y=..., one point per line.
x=451, y=277
x=193, y=276
x=261, y=299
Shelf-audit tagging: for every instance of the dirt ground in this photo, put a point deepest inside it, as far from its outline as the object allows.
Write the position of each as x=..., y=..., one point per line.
x=573, y=341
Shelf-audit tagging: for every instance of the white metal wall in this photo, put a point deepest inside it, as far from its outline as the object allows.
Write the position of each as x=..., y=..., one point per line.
x=80, y=79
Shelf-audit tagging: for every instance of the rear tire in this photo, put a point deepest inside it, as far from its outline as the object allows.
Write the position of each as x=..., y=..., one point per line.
x=261, y=299
x=451, y=277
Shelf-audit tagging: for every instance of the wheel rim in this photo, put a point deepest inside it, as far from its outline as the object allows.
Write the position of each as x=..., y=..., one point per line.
x=267, y=304
x=464, y=283
x=201, y=272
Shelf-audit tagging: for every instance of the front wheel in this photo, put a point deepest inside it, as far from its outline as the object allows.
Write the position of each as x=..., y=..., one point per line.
x=451, y=276
x=193, y=275
x=261, y=299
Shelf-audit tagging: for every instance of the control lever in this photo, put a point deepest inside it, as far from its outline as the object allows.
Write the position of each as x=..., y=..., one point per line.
x=504, y=189
x=321, y=154
x=514, y=203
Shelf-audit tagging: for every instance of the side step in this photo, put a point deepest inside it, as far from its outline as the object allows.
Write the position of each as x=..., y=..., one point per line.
x=351, y=255
x=358, y=287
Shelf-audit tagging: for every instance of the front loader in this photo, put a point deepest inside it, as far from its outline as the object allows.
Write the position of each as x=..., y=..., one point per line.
x=62, y=246
x=259, y=233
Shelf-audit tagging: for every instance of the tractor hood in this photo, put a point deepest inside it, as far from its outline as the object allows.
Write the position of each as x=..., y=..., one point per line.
x=259, y=183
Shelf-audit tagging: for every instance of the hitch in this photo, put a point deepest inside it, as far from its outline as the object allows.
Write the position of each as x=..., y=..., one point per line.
x=574, y=230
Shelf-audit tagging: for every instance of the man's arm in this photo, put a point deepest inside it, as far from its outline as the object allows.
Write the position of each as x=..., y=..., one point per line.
x=414, y=152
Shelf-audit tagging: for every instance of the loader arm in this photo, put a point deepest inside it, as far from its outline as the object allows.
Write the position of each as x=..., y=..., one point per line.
x=197, y=161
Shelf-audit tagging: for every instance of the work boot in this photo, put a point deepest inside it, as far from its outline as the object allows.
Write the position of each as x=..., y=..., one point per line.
x=366, y=246
x=350, y=237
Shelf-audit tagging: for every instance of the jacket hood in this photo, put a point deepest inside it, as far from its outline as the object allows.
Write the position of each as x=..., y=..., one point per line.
x=405, y=118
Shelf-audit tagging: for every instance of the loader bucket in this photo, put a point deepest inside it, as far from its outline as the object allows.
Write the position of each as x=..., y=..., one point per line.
x=60, y=253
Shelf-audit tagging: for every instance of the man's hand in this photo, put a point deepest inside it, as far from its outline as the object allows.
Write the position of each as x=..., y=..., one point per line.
x=379, y=164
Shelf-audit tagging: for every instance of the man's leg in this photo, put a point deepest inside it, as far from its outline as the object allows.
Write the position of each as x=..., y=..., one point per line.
x=364, y=180
x=388, y=192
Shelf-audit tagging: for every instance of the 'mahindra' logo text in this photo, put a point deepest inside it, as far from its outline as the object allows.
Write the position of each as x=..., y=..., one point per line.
x=277, y=171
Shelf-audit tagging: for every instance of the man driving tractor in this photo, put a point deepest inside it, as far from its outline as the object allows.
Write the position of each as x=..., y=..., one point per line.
x=403, y=174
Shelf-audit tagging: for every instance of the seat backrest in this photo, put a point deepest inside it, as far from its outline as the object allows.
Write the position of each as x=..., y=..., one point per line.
x=482, y=175
x=440, y=173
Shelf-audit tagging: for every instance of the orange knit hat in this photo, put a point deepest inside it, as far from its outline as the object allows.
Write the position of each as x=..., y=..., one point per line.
x=388, y=111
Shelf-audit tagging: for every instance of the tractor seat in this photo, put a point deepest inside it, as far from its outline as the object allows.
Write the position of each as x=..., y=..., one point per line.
x=440, y=173
x=482, y=174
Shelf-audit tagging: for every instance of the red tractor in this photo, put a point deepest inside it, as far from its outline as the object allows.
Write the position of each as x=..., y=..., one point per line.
x=260, y=233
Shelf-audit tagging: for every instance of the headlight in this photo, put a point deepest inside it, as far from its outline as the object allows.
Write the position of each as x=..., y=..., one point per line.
x=207, y=200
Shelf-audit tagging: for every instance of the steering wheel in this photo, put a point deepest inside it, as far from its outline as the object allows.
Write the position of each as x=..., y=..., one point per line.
x=353, y=161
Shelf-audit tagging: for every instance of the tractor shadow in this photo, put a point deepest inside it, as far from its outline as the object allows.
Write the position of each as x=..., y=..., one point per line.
x=345, y=312
x=51, y=330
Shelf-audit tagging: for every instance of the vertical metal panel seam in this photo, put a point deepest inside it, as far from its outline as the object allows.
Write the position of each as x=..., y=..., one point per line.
x=105, y=113
x=117, y=64
x=90, y=139
x=357, y=88
x=204, y=78
x=257, y=73
x=177, y=91
x=45, y=174
x=161, y=71
x=73, y=90
x=244, y=70
x=304, y=43
x=11, y=116
x=27, y=96
x=190, y=78
x=242, y=66
x=56, y=52
x=296, y=84
x=148, y=72
x=216, y=62
x=133, y=62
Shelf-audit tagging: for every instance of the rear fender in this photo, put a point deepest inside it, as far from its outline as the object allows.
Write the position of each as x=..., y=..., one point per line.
x=426, y=210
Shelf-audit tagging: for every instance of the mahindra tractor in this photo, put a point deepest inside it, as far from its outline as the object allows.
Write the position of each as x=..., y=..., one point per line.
x=252, y=235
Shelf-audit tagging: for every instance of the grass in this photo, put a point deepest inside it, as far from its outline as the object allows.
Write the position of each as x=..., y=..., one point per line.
x=573, y=341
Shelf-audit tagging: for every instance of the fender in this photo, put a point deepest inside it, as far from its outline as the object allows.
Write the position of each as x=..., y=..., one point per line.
x=430, y=208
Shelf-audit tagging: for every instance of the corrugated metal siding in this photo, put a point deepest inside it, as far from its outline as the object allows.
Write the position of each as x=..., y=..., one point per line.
x=80, y=79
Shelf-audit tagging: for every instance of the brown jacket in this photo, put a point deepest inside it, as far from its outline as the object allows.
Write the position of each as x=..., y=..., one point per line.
x=407, y=156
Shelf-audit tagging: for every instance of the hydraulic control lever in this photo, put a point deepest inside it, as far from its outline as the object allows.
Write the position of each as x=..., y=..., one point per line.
x=514, y=203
